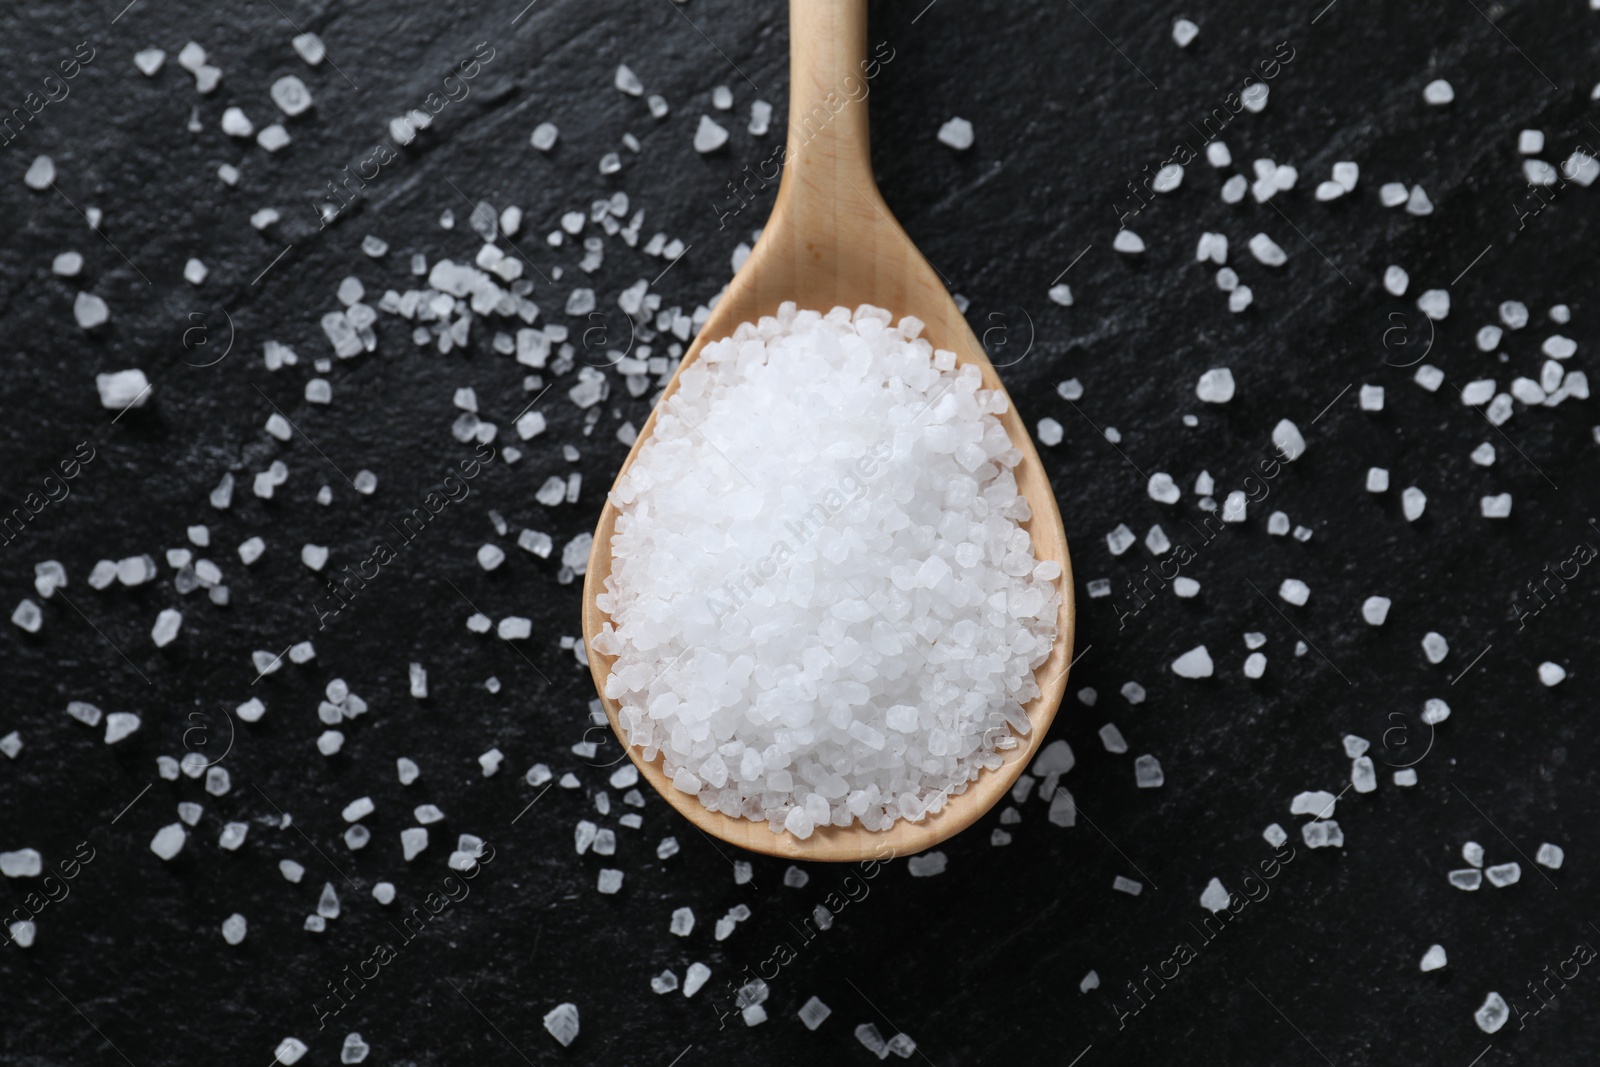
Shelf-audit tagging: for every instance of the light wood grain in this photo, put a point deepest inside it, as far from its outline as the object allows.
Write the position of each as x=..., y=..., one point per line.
x=832, y=241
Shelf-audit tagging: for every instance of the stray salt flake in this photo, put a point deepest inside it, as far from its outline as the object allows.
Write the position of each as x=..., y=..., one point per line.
x=665, y=982
x=1183, y=32
x=1550, y=856
x=1412, y=502
x=1255, y=665
x=1322, y=833
x=544, y=136
x=709, y=136
x=1492, y=1014
x=956, y=133
x=1406, y=777
x=1468, y=878
x=814, y=1013
x=1435, y=303
x=1435, y=647
x=1417, y=203
x=562, y=1023
x=1267, y=251
x=1504, y=874
x=1438, y=92
x=1195, y=663
x=1162, y=488
x=1147, y=773
x=610, y=880
x=627, y=81
x=1112, y=738
x=1061, y=294
x=1215, y=386
x=1120, y=539
x=1551, y=674
x=1275, y=835
x=289, y=1050
x=1215, y=897
x=1375, y=609
x=1127, y=885
x=1435, y=711
x=1363, y=776
x=1434, y=958
x=1128, y=243
x=1294, y=591
x=1286, y=437
x=927, y=864
x=1063, y=809
x=1185, y=587
x=1050, y=431
x=1319, y=803
x=169, y=840
x=120, y=724
x=1496, y=507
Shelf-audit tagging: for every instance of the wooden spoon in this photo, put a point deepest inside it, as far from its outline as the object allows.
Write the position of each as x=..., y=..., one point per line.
x=831, y=241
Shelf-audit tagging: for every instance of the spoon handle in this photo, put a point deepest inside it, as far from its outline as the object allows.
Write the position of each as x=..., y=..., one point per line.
x=829, y=79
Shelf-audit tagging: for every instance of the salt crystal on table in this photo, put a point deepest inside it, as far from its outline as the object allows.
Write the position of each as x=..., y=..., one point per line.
x=1318, y=802
x=1538, y=172
x=315, y=924
x=23, y=933
x=1255, y=665
x=1275, y=835
x=1530, y=142
x=1434, y=303
x=1496, y=507
x=1195, y=663
x=23, y=863
x=610, y=880
x=354, y=1050
x=490, y=556
x=1184, y=32
x=309, y=47
x=709, y=136
x=1162, y=489
x=1492, y=1014
x=1215, y=386
x=1294, y=591
x=41, y=173
x=1127, y=885
x=1504, y=874
x=1362, y=775
x=314, y=556
x=1375, y=609
x=1417, y=203
x=1120, y=539
x=329, y=742
x=544, y=136
x=1050, y=431
x=665, y=982
x=1286, y=437
x=1322, y=833
x=120, y=724
x=1395, y=280
x=1412, y=502
x=233, y=928
x=1234, y=188
x=1551, y=674
x=1128, y=242
x=1434, y=958
x=1112, y=738
x=627, y=81
x=1550, y=856
x=1434, y=646
x=956, y=133
x=1061, y=294
x=1215, y=897
x=479, y=623
x=233, y=835
x=514, y=628
x=760, y=116
x=11, y=744
x=291, y=870
x=1267, y=251
x=1218, y=155
x=149, y=61
x=169, y=840
x=166, y=627
x=291, y=95
x=1071, y=389
x=1438, y=92
x=84, y=712
x=1405, y=777
x=1469, y=878
x=289, y=1050
x=235, y=123
x=1147, y=773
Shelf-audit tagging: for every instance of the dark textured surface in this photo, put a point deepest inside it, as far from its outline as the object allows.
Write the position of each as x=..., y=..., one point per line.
x=982, y=963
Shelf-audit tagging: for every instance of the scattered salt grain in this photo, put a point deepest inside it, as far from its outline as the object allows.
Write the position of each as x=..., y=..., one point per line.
x=1195, y=663
x=709, y=135
x=1435, y=647
x=1438, y=92
x=1215, y=897
x=1434, y=958
x=1492, y=1014
x=1550, y=856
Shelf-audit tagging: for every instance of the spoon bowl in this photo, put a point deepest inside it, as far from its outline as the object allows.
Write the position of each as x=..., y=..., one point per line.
x=832, y=241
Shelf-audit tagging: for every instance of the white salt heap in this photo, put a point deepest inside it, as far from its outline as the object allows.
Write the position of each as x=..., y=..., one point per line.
x=824, y=607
